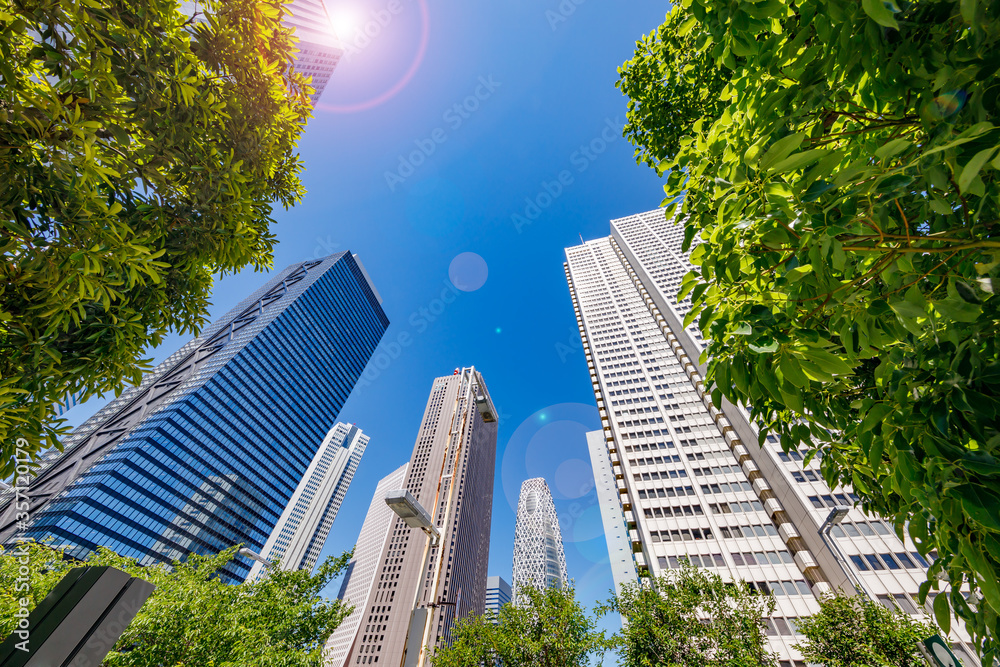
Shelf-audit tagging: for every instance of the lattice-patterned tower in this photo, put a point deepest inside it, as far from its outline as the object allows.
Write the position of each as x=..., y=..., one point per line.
x=539, y=559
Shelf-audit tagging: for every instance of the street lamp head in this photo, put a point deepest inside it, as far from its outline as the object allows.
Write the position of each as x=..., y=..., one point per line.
x=837, y=514
x=253, y=555
x=408, y=509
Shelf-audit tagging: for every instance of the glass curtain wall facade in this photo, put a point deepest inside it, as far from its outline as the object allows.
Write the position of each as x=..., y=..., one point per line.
x=207, y=451
x=498, y=593
x=305, y=524
x=539, y=558
x=687, y=485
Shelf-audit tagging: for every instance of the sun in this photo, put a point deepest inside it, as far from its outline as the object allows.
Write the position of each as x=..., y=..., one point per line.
x=346, y=21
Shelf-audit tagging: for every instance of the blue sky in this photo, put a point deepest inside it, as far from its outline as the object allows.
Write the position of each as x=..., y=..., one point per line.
x=414, y=183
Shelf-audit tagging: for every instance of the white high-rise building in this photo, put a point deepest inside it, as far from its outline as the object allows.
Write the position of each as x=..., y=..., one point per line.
x=687, y=485
x=319, y=47
x=620, y=556
x=539, y=558
x=303, y=527
x=360, y=576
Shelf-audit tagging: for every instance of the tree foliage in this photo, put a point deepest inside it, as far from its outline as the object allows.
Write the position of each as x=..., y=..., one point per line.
x=546, y=629
x=668, y=622
x=855, y=630
x=192, y=619
x=842, y=209
x=141, y=152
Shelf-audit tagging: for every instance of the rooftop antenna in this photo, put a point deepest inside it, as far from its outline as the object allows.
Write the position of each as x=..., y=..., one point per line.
x=581, y=238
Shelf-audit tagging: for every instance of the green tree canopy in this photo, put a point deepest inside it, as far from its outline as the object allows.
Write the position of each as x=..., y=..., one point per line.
x=141, y=152
x=546, y=629
x=666, y=622
x=855, y=630
x=192, y=619
x=841, y=206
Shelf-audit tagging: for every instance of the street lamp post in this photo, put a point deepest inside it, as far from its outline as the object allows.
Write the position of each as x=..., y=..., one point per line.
x=935, y=648
x=837, y=514
x=414, y=515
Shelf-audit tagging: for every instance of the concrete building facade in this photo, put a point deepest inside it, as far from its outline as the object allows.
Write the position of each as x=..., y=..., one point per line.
x=319, y=48
x=620, y=555
x=451, y=475
x=691, y=480
x=303, y=527
x=360, y=576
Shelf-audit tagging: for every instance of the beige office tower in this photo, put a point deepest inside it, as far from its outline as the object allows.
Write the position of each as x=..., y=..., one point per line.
x=360, y=576
x=451, y=475
x=691, y=480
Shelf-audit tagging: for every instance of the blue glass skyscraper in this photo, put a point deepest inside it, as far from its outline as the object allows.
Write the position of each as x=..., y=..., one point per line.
x=206, y=452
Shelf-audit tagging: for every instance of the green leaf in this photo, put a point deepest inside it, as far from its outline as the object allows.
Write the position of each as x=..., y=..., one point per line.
x=875, y=416
x=968, y=9
x=892, y=148
x=875, y=456
x=942, y=612
x=828, y=362
x=792, y=371
x=940, y=206
x=816, y=190
x=742, y=329
x=798, y=160
x=768, y=380
x=878, y=12
x=687, y=26
x=981, y=505
x=973, y=167
x=987, y=575
x=956, y=308
x=905, y=308
x=796, y=274
x=781, y=149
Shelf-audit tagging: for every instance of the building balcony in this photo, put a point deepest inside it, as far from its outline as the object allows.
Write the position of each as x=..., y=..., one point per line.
x=788, y=532
x=804, y=559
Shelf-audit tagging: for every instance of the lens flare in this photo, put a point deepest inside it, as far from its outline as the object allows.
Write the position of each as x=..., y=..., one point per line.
x=947, y=105
x=345, y=21
x=393, y=90
x=468, y=272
